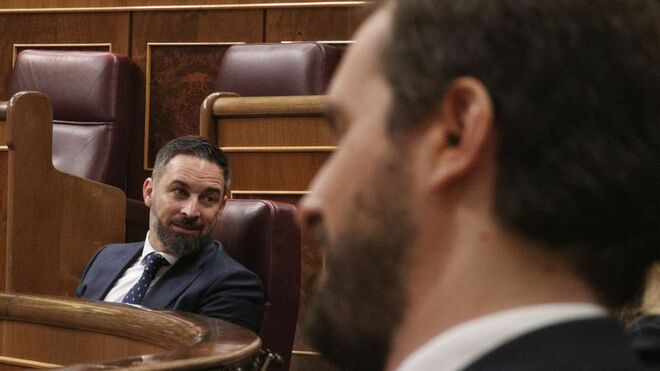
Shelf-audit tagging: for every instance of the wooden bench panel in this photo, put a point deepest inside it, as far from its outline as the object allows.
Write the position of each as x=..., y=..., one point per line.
x=274, y=171
x=274, y=131
x=54, y=221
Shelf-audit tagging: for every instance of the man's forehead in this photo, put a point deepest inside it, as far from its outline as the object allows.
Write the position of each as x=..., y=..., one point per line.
x=184, y=166
x=364, y=57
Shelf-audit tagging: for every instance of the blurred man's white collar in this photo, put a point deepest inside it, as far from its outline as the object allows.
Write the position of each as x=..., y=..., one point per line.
x=461, y=345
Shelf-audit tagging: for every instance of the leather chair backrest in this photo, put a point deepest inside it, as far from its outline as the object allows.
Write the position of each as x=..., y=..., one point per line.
x=277, y=69
x=264, y=237
x=92, y=106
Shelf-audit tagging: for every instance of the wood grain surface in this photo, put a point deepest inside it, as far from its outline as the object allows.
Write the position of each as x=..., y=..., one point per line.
x=66, y=331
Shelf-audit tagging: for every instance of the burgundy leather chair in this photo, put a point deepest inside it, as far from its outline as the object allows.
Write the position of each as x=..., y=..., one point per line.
x=264, y=237
x=277, y=69
x=93, y=113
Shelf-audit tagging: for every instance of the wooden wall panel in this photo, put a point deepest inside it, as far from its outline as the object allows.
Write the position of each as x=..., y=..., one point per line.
x=312, y=24
x=179, y=77
x=176, y=73
x=269, y=171
x=60, y=28
x=191, y=26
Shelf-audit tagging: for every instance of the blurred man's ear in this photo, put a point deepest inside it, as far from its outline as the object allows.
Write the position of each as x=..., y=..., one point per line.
x=464, y=128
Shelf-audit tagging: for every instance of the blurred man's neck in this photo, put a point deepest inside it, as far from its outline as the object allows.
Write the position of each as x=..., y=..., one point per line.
x=482, y=269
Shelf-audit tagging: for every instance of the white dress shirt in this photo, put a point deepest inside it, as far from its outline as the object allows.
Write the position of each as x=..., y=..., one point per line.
x=134, y=272
x=461, y=345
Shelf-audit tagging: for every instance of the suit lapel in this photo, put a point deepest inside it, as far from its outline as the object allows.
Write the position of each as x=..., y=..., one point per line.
x=176, y=280
x=110, y=270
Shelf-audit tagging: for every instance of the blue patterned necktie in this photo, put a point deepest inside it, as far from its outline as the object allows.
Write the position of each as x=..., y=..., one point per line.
x=153, y=262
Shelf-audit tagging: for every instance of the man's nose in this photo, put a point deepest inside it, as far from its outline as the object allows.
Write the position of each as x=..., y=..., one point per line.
x=309, y=214
x=191, y=208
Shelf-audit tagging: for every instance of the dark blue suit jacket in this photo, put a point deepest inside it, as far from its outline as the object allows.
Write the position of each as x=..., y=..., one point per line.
x=209, y=282
x=581, y=345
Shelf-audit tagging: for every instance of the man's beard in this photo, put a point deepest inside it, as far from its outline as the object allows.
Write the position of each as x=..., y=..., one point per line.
x=362, y=296
x=181, y=244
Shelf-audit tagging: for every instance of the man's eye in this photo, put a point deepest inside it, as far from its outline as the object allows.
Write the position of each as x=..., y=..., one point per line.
x=209, y=199
x=179, y=192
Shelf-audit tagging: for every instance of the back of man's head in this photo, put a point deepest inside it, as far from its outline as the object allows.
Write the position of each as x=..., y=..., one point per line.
x=575, y=87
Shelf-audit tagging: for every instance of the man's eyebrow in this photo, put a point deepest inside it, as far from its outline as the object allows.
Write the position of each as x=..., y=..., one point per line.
x=183, y=184
x=179, y=183
x=212, y=190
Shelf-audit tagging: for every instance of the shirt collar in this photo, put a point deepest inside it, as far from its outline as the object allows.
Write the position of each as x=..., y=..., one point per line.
x=149, y=249
x=463, y=344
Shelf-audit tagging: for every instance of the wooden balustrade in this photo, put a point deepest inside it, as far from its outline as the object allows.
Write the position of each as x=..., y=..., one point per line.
x=53, y=332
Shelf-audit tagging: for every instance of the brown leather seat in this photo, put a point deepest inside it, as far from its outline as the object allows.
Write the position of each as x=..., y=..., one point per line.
x=263, y=236
x=92, y=101
x=277, y=69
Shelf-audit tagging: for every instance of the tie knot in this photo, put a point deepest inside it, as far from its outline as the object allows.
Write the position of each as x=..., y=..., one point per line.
x=154, y=261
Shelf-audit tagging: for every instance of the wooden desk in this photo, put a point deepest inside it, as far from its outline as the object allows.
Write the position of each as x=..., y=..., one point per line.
x=52, y=332
x=51, y=223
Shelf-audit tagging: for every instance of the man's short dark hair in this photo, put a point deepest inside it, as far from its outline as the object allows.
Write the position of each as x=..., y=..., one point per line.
x=195, y=146
x=575, y=87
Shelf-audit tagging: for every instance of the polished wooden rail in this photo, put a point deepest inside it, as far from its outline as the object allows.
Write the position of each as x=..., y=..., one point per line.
x=227, y=104
x=201, y=7
x=46, y=332
x=287, y=105
x=3, y=111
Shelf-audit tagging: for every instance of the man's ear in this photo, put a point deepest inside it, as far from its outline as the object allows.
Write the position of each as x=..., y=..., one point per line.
x=147, y=191
x=225, y=197
x=465, y=129
x=223, y=203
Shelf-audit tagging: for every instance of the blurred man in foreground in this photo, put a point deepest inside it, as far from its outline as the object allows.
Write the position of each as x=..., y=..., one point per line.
x=495, y=187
